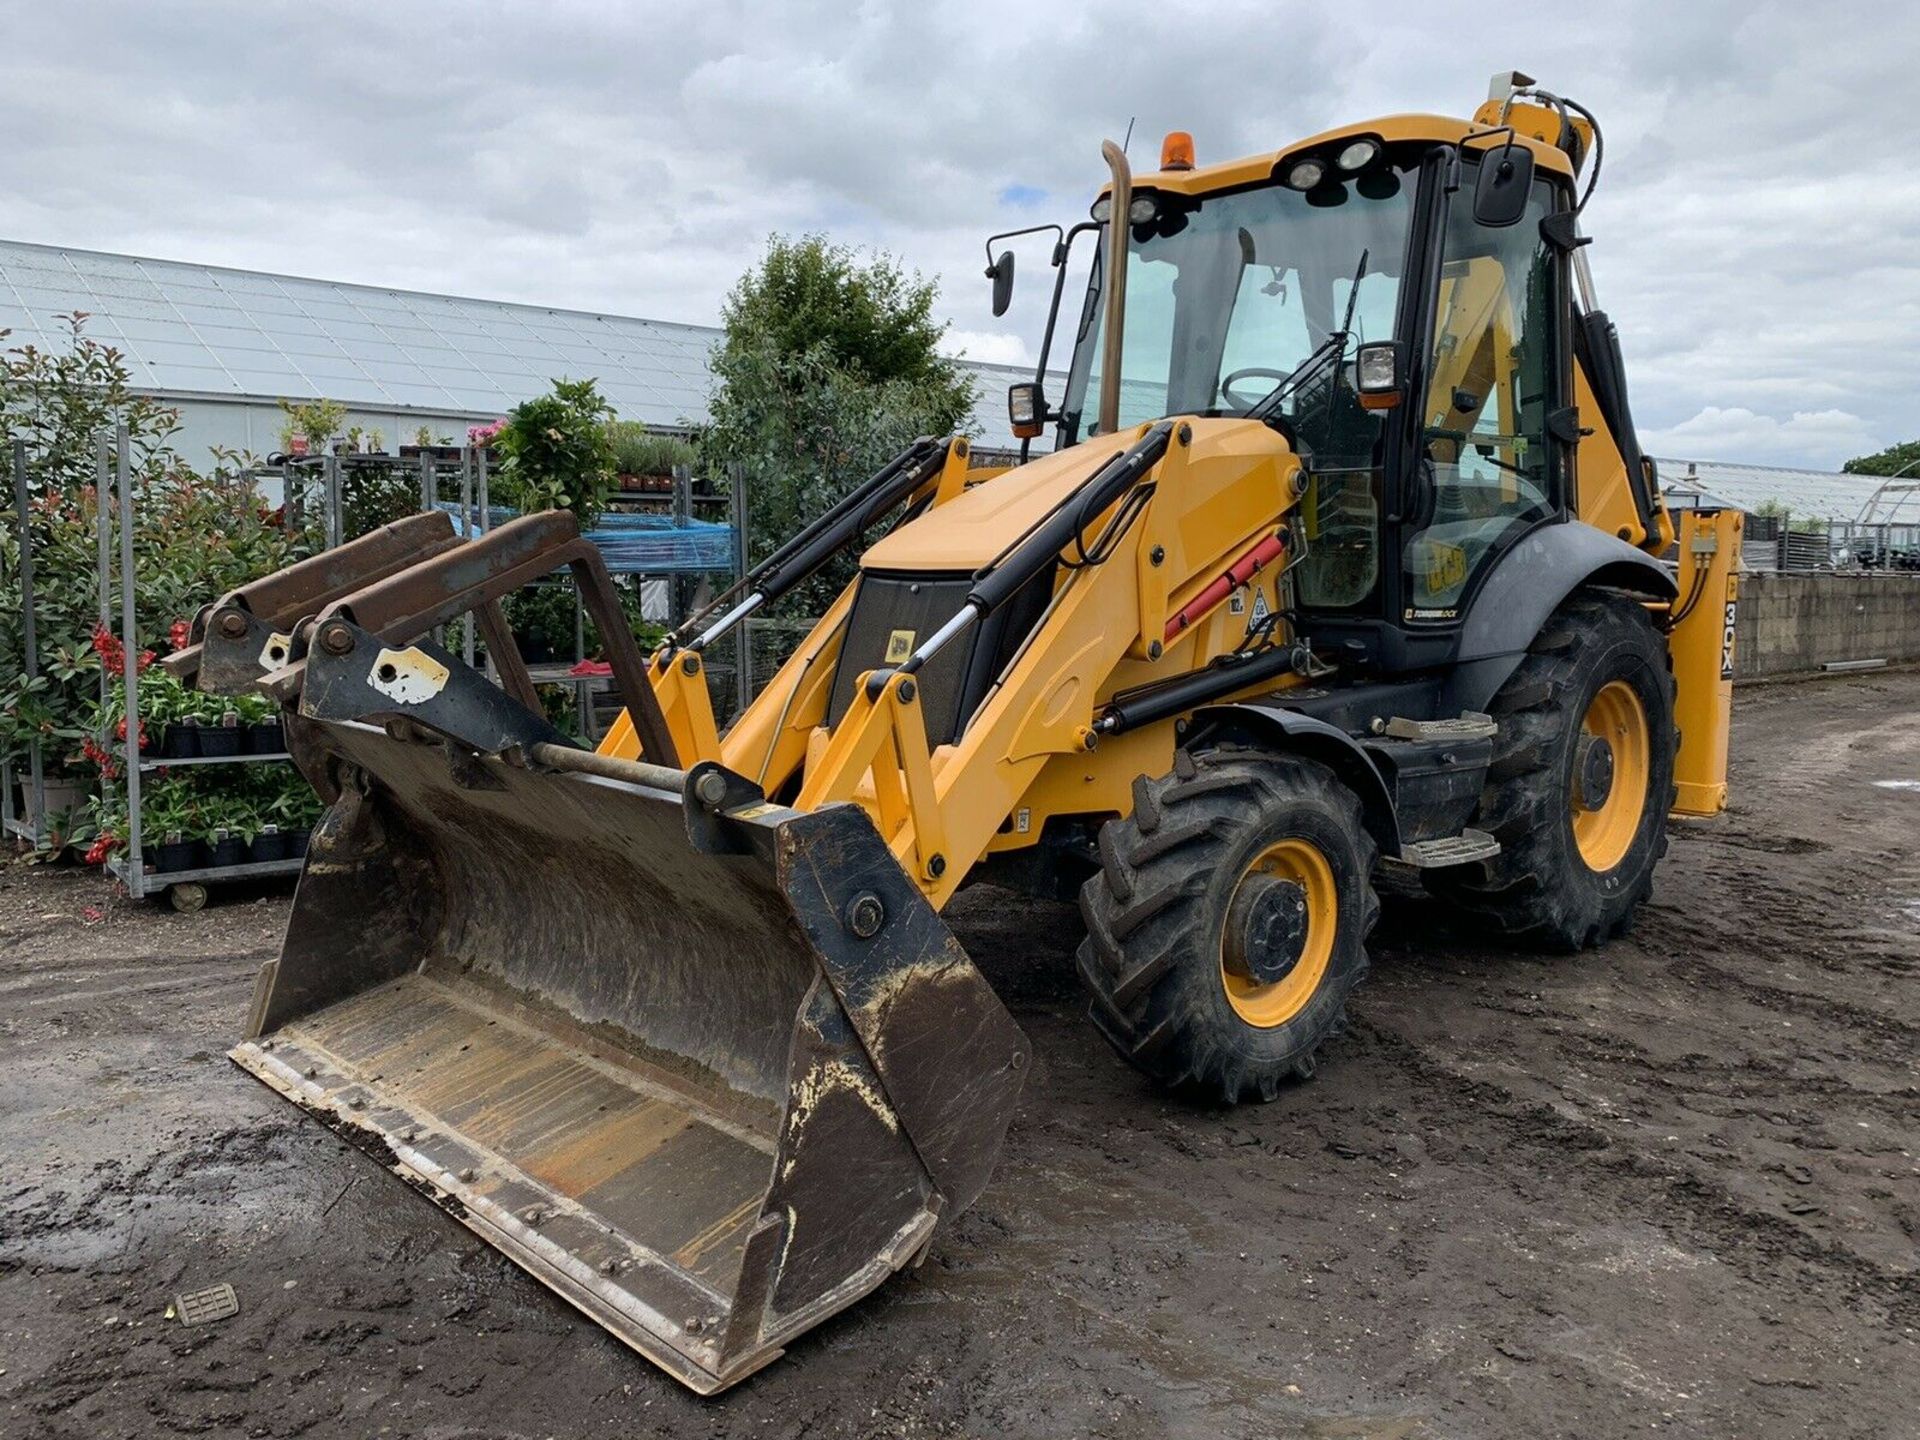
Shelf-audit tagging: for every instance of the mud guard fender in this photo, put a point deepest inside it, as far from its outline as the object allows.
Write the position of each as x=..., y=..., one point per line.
x=1525, y=587
x=1269, y=727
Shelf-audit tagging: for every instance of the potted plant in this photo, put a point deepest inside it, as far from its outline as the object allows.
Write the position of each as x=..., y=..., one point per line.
x=223, y=739
x=165, y=704
x=229, y=824
x=170, y=813
x=225, y=848
x=295, y=810
x=269, y=845
x=266, y=735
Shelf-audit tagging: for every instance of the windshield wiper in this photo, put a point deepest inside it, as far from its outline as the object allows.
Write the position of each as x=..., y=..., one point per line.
x=1335, y=346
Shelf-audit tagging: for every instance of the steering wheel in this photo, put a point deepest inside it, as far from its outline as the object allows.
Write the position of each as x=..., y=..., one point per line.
x=1240, y=404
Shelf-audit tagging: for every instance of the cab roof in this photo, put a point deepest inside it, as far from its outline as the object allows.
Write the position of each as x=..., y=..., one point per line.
x=1251, y=169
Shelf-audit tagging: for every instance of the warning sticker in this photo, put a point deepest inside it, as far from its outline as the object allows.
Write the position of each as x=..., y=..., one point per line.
x=899, y=646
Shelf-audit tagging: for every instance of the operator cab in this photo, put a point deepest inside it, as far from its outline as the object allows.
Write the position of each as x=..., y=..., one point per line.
x=1407, y=335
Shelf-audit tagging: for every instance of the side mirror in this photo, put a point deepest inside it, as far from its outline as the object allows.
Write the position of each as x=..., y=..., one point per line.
x=1026, y=409
x=1506, y=180
x=1000, y=272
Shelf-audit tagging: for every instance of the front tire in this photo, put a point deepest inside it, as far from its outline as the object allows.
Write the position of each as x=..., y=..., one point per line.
x=1229, y=922
x=1580, y=784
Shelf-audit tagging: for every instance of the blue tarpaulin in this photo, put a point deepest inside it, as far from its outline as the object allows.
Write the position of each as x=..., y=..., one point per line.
x=638, y=544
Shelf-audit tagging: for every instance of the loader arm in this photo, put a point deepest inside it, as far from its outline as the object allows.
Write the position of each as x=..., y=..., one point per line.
x=1210, y=505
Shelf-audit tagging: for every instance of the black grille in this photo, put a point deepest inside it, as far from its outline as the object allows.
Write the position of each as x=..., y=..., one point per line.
x=903, y=611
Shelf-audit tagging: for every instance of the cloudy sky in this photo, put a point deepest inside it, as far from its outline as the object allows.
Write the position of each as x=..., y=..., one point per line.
x=1758, y=222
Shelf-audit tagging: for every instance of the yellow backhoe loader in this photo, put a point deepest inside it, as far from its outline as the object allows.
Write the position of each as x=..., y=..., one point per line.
x=1345, y=555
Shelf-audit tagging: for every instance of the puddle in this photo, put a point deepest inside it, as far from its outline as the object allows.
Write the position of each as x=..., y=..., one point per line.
x=1896, y=784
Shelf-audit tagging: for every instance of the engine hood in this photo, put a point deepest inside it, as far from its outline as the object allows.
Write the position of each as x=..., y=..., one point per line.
x=972, y=529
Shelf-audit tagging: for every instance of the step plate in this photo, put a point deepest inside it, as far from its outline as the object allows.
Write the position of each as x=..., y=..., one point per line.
x=1469, y=725
x=1461, y=849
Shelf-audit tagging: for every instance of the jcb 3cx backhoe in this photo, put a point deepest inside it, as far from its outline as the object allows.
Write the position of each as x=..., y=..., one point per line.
x=1346, y=555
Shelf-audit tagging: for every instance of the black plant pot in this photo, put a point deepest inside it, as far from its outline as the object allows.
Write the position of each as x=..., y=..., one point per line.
x=174, y=855
x=296, y=842
x=219, y=741
x=149, y=858
x=267, y=848
x=269, y=737
x=230, y=851
x=180, y=742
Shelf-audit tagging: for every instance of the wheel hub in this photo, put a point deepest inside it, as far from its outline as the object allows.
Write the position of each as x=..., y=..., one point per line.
x=1266, y=929
x=1592, y=772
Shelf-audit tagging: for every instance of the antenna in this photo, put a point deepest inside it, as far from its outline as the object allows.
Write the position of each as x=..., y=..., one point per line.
x=1129, y=136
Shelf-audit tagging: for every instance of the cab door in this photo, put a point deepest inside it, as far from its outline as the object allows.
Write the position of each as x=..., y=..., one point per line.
x=1490, y=468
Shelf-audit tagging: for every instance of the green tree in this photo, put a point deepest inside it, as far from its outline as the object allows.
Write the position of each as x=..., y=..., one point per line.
x=61, y=401
x=1890, y=461
x=829, y=367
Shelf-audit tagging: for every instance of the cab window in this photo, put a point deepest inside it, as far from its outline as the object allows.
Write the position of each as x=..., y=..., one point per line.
x=1491, y=387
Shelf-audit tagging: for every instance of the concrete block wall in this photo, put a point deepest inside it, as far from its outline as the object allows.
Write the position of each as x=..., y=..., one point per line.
x=1797, y=622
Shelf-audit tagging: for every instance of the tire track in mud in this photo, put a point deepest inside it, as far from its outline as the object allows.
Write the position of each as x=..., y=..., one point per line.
x=1705, y=1213
x=1896, y=1040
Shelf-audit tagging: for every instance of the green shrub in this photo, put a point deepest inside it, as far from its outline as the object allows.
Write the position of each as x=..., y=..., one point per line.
x=558, y=453
x=640, y=451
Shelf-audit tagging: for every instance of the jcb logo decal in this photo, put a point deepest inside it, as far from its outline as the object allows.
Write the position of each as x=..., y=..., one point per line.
x=1727, y=628
x=899, y=646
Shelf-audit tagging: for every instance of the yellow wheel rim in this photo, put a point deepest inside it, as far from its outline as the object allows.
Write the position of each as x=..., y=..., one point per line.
x=1603, y=833
x=1300, y=863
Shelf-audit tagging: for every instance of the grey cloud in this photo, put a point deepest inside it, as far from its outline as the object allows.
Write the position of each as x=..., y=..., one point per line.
x=1755, y=221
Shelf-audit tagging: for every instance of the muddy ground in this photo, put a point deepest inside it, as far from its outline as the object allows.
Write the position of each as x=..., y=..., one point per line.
x=1670, y=1187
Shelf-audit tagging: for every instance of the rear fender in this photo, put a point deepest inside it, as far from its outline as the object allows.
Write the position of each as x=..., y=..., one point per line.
x=1288, y=732
x=1525, y=587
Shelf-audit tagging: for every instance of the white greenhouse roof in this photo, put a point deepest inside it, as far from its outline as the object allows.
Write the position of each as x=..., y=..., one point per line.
x=1827, y=494
x=205, y=331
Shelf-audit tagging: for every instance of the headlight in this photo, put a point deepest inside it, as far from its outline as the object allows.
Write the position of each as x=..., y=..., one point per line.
x=1379, y=375
x=1357, y=154
x=1305, y=174
x=1103, y=209
x=1142, y=209
x=1026, y=409
x=1378, y=367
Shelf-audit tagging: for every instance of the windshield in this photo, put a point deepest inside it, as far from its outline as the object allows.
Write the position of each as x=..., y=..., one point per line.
x=1226, y=296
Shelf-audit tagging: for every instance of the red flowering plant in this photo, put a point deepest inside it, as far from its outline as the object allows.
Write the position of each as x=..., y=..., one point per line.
x=195, y=534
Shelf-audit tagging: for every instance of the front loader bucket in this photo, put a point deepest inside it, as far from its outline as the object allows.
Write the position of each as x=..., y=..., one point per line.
x=711, y=1070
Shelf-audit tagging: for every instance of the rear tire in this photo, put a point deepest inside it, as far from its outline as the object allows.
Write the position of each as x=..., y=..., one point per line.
x=1229, y=922
x=1572, y=873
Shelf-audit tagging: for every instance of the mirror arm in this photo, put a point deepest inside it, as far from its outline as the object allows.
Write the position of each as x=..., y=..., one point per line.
x=1030, y=230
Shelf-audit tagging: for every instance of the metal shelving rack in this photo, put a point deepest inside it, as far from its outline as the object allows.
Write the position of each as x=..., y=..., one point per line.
x=437, y=469
x=186, y=887
x=34, y=830
x=36, y=793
